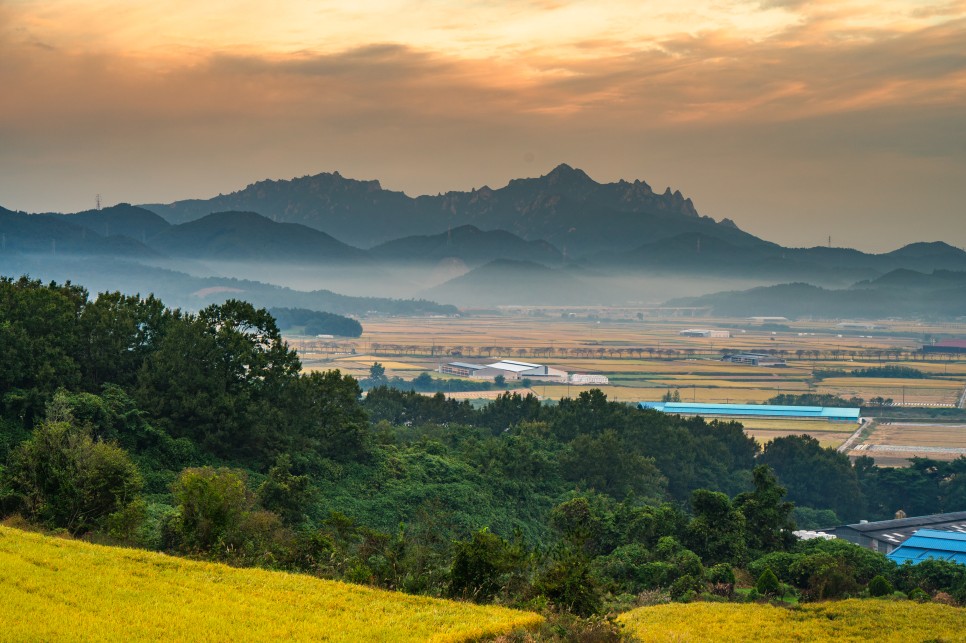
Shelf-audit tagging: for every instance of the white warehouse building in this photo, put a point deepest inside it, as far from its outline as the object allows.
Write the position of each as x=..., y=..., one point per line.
x=509, y=369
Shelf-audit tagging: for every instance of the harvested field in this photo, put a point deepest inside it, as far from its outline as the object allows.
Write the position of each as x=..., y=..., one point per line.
x=825, y=438
x=897, y=442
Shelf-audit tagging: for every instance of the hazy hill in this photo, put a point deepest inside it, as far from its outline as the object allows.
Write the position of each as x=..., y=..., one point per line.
x=514, y=282
x=468, y=244
x=902, y=293
x=56, y=235
x=122, y=219
x=564, y=207
x=692, y=253
x=178, y=289
x=234, y=236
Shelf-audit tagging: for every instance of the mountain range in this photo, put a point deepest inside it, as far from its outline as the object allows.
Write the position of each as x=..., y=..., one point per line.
x=561, y=238
x=564, y=207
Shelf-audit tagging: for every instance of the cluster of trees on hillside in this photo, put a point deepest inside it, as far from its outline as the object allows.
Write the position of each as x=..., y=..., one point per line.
x=315, y=322
x=198, y=434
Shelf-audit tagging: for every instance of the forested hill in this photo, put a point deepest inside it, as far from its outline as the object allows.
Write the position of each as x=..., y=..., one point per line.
x=940, y=294
x=564, y=207
x=199, y=434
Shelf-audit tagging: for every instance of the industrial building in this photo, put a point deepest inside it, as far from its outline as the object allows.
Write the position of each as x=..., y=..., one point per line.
x=463, y=369
x=886, y=535
x=705, y=332
x=831, y=414
x=947, y=347
x=754, y=359
x=509, y=369
x=928, y=544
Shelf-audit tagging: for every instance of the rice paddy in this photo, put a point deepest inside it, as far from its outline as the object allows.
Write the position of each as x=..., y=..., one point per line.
x=55, y=589
x=852, y=620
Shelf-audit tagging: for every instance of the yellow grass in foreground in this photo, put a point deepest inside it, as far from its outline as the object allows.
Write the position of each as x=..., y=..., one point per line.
x=53, y=589
x=851, y=620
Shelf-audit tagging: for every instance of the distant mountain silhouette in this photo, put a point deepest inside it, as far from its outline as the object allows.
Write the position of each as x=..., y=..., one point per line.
x=469, y=244
x=692, y=253
x=246, y=236
x=564, y=207
x=122, y=219
x=900, y=293
x=55, y=234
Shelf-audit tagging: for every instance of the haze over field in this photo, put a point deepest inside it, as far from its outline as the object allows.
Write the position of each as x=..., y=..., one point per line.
x=796, y=120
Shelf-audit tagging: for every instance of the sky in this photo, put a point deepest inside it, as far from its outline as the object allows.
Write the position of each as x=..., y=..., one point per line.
x=797, y=120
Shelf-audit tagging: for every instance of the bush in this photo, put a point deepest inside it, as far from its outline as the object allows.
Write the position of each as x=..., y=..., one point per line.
x=685, y=588
x=62, y=478
x=879, y=587
x=768, y=584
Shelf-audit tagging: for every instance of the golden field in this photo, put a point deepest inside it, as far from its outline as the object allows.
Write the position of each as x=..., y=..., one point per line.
x=851, y=620
x=53, y=589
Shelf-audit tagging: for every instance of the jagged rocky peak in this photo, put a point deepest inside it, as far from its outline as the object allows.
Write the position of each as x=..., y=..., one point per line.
x=564, y=173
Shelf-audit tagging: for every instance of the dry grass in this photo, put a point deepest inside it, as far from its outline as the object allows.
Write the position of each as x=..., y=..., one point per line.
x=825, y=438
x=53, y=589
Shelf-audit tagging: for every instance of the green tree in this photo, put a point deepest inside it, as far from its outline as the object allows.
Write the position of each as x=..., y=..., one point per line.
x=212, y=504
x=606, y=464
x=717, y=531
x=767, y=584
x=284, y=493
x=879, y=587
x=377, y=371
x=768, y=522
x=332, y=420
x=118, y=333
x=224, y=379
x=482, y=564
x=500, y=381
x=39, y=344
x=814, y=476
x=62, y=478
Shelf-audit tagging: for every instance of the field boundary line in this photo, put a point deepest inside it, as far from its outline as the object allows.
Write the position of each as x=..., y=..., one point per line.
x=847, y=445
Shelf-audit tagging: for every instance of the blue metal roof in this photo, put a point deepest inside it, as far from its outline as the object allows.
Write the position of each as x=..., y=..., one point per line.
x=770, y=410
x=931, y=543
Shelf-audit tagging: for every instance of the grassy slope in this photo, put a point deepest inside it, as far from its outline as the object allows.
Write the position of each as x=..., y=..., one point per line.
x=55, y=589
x=851, y=620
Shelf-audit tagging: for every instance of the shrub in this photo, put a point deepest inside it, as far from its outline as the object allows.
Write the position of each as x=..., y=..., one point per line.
x=64, y=479
x=685, y=588
x=879, y=587
x=768, y=584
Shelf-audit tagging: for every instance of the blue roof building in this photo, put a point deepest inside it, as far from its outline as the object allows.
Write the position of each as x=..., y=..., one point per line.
x=931, y=543
x=755, y=410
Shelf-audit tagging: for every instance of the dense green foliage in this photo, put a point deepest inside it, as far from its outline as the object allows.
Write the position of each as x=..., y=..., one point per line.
x=199, y=434
x=315, y=322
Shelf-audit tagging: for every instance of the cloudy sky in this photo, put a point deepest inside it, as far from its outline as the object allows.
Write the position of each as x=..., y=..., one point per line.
x=798, y=120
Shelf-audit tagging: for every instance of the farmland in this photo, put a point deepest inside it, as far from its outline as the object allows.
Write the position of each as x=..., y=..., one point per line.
x=55, y=589
x=851, y=620
x=892, y=443
x=646, y=358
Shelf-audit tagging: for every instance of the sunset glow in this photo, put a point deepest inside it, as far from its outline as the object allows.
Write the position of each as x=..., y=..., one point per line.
x=849, y=114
